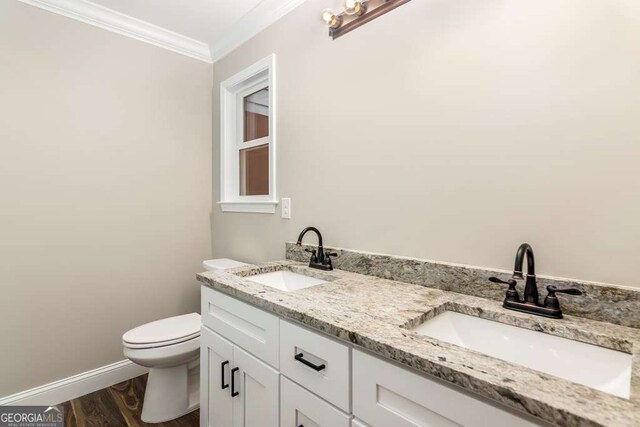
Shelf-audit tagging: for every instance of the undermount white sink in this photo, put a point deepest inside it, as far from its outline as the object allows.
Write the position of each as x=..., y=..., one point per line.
x=596, y=367
x=286, y=280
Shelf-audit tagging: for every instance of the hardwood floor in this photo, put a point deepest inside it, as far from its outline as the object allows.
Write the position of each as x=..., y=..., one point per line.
x=118, y=405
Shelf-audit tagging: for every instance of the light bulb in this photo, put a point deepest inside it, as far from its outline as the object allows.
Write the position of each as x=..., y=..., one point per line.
x=331, y=19
x=328, y=16
x=354, y=7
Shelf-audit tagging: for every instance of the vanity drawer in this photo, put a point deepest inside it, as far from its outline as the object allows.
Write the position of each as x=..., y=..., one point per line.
x=385, y=395
x=316, y=362
x=300, y=407
x=246, y=326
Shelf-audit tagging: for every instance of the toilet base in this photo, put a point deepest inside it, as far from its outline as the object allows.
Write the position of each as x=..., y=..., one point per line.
x=171, y=393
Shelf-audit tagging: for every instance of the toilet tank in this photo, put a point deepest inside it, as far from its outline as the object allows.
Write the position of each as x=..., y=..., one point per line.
x=221, y=264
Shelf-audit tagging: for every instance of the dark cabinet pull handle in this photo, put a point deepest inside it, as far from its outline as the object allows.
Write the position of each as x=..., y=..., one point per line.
x=222, y=384
x=234, y=393
x=300, y=358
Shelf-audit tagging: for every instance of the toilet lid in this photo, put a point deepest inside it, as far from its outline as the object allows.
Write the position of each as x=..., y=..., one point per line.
x=221, y=264
x=165, y=331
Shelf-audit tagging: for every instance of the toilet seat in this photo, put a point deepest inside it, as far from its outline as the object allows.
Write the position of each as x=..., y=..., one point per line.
x=164, y=356
x=164, y=332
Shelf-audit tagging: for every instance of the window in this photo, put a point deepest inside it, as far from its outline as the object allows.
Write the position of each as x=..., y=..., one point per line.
x=247, y=122
x=254, y=148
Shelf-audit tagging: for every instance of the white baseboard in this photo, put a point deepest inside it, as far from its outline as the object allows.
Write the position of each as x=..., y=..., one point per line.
x=76, y=385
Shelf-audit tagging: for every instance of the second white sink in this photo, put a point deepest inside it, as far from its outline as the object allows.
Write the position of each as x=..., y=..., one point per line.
x=286, y=280
x=596, y=367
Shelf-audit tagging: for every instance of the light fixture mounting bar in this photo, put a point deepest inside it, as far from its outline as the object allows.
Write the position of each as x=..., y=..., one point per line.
x=370, y=15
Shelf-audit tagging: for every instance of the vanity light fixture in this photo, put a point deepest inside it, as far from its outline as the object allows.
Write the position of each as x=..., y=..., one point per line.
x=331, y=19
x=357, y=13
x=355, y=7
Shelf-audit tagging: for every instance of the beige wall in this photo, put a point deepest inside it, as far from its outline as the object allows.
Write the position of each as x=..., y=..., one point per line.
x=454, y=130
x=105, y=191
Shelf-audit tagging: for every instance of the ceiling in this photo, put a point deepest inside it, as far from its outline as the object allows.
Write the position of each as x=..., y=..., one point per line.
x=202, y=20
x=206, y=30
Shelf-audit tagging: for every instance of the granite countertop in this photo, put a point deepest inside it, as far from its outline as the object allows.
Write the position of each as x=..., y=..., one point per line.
x=376, y=314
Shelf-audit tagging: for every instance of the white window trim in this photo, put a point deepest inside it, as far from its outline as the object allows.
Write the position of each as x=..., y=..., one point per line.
x=262, y=72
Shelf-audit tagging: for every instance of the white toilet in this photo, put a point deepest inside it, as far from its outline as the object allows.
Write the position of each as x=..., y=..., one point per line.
x=170, y=348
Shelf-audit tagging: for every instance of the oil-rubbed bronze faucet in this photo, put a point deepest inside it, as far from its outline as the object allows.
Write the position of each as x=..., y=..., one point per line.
x=531, y=304
x=319, y=259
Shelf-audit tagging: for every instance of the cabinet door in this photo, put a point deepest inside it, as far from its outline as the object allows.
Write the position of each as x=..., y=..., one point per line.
x=216, y=360
x=300, y=407
x=258, y=392
x=385, y=395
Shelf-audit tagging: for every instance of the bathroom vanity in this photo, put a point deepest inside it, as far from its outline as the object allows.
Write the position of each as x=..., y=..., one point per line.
x=348, y=349
x=250, y=376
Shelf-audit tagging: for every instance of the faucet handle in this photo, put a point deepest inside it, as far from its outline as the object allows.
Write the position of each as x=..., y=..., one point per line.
x=509, y=282
x=512, y=293
x=314, y=257
x=327, y=258
x=571, y=291
x=551, y=301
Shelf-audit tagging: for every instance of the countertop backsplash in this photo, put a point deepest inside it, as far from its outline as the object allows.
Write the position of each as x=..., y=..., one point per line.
x=602, y=302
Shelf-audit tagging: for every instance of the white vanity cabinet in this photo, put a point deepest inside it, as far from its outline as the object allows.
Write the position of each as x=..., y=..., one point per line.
x=387, y=395
x=287, y=375
x=318, y=363
x=236, y=390
x=301, y=407
x=239, y=380
x=216, y=357
x=257, y=392
x=250, y=328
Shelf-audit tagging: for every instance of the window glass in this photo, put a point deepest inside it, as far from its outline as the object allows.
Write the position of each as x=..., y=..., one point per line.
x=254, y=171
x=256, y=115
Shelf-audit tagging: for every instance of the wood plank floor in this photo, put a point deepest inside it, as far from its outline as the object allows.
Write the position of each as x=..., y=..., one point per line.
x=116, y=406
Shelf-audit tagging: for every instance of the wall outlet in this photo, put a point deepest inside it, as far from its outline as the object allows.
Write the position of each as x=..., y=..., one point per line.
x=286, y=208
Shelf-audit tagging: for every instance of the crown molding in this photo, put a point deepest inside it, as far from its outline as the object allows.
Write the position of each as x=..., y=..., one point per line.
x=260, y=17
x=108, y=19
